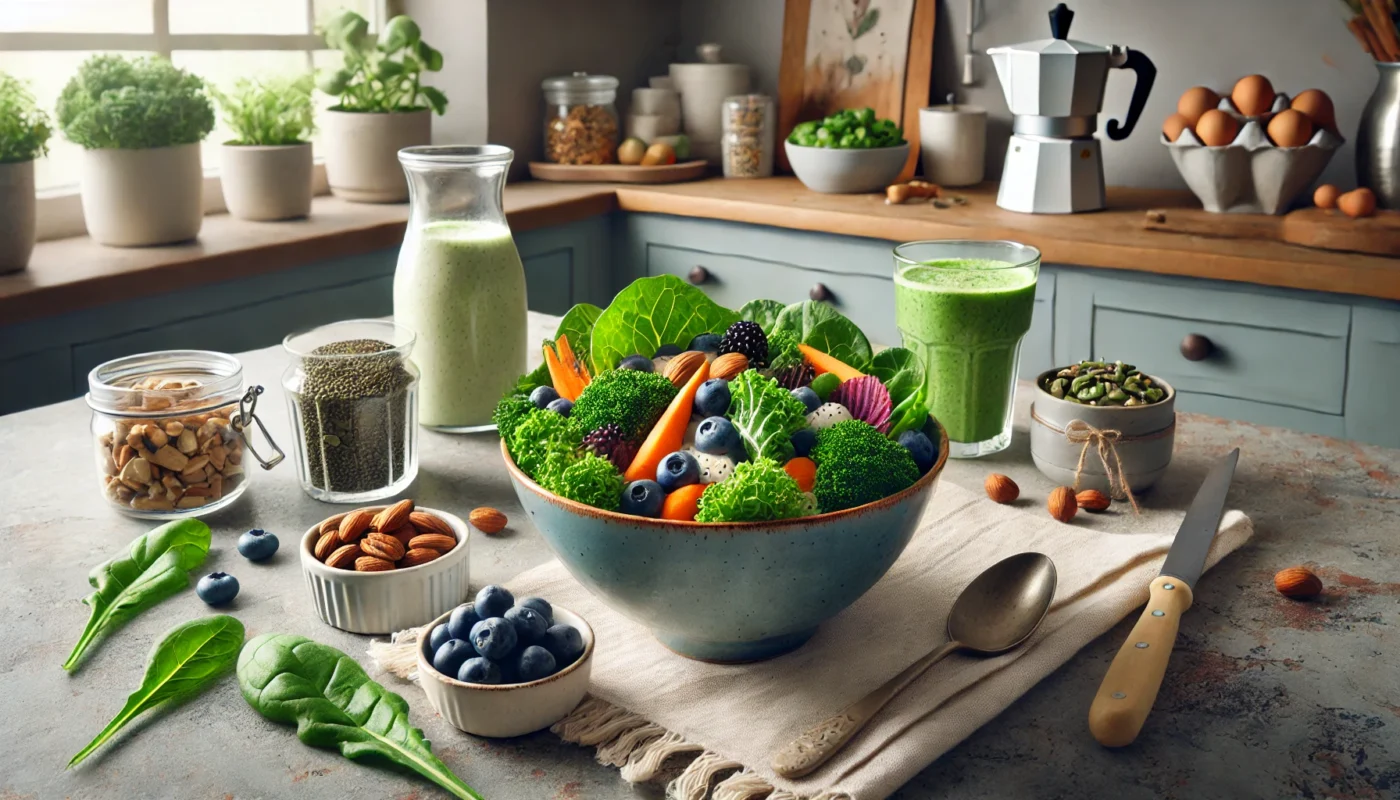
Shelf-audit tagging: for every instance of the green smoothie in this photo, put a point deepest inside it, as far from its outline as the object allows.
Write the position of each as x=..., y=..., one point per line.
x=461, y=287
x=966, y=318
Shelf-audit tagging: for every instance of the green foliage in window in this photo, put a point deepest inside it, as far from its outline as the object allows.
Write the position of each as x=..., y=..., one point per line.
x=380, y=75
x=24, y=127
x=114, y=102
x=269, y=112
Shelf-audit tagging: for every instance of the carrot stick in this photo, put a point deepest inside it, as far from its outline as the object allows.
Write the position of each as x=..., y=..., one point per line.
x=1384, y=28
x=572, y=363
x=668, y=434
x=822, y=362
x=559, y=376
x=1359, y=29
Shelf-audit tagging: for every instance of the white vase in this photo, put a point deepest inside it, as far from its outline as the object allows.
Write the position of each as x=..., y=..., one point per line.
x=133, y=198
x=362, y=152
x=16, y=215
x=266, y=182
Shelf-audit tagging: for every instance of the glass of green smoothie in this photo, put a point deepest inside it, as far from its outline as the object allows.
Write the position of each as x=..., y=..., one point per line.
x=964, y=307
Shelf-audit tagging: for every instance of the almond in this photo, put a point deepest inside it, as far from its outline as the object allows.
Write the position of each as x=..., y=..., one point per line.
x=418, y=555
x=429, y=523
x=1298, y=583
x=394, y=516
x=1001, y=488
x=488, y=520
x=404, y=534
x=372, y=564
x=729, y=365
x=436, y=541
x=1062, y=504
x=344, y=556
x=382, y=545
x=1093, y=500
x=324, y=545
x=354, y=525
x=680, y=368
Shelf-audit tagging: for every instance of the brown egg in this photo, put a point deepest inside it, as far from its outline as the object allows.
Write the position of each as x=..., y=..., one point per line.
x=1216, y=128
x=1253, y=95
x=1357, y=203
x=1318, y=106
x=1174, y=125
x=1326, y=196
x=1196, y=101
x=1290, y=128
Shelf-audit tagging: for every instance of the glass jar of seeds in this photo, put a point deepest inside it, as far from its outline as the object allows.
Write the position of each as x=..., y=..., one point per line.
x=747, y=145
x=352, y=391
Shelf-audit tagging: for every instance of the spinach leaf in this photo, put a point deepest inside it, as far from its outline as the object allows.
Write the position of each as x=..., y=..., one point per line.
x=529, y=382
x=181, y=665
x=651, y=312
x=800, y=318
x=911, y=414
x=842, y=339
x=764, y=312
x=578, y=324
x=901, y=370
x=156, y=566
x=334, y=703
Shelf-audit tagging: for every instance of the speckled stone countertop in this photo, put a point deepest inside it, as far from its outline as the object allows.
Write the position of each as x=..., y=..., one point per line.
x=1265, y=697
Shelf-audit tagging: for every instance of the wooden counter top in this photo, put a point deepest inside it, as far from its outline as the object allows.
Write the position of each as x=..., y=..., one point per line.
x=73, y=274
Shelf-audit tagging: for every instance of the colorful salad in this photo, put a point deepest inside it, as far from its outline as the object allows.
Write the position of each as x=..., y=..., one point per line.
x=666, y=404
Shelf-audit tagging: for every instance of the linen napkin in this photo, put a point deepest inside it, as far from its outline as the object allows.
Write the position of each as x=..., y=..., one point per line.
x=648, y=704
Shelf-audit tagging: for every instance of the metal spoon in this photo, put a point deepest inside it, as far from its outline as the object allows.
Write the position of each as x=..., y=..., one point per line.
x=999, y=610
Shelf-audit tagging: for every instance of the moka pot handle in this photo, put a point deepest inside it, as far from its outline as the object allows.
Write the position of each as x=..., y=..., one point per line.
x=1146, y=74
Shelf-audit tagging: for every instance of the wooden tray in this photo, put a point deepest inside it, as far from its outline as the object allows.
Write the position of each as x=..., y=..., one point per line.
x=618, y=173
x=1319, y=228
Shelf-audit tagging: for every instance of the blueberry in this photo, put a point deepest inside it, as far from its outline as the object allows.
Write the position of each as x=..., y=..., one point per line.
x=493, y=638
x=543, y=396
x=643, y=499
x=803, y=441
x=533, y=663
x=492, y=601
x=449, y=658
x=563, y=406
x=217, y=588
x=712, y=398
x=667, y=350
x=439, y=637
x=808, y=397
x=718, y=437
x=706, y=343
x=638, y=363
x=257, y=545
x=565, y=642
x=479, y=670
x=920, y=447
x=677, y=470
x=462, y=619
x=540, y=605
x=530, y=624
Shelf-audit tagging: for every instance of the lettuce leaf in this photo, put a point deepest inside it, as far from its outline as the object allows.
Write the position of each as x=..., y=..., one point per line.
x=764, y=312
x=800, y=318
x=901, y=370
x=817, y=324
x=651, y=312
x=766, y=414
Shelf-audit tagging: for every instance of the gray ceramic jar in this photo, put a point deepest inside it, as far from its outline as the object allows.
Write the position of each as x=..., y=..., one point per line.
x=1144, y=445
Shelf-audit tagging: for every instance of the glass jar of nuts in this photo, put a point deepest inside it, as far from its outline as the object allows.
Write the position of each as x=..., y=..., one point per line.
x=170, y=432
x=748, y=143
x=580, y=119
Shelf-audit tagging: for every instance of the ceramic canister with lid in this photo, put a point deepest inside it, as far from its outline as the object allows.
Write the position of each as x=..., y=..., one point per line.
x=703, y=87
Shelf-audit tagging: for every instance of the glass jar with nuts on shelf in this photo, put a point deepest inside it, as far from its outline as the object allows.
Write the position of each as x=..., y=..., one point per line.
x=580, y=119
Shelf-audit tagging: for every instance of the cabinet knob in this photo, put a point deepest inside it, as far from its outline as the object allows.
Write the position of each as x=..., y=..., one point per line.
x=698, y=275
x=1196, y=347
x=820, y=292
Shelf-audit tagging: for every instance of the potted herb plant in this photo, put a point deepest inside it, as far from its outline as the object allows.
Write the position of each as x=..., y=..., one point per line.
x=382, y=106
x=24, y=136
x=266, y=168
x=139, y=121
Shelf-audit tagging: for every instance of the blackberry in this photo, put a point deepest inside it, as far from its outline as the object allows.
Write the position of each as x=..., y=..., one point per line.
x=746, y=337
x=608, y=442
x=792, y=377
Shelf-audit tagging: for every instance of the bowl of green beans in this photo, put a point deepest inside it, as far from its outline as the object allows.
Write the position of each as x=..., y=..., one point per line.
x=849, y=152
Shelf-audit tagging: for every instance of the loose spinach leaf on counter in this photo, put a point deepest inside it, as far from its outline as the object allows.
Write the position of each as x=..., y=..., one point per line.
x=189, y=658
x=651, y=312
x=292, y=679
x=901, y=370
x=156, y=565
x=764, y=312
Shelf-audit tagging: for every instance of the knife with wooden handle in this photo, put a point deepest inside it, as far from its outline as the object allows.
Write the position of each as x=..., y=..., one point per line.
x=1130, y=687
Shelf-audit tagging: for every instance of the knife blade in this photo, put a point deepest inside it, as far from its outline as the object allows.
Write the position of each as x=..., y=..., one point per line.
x=1131, y=684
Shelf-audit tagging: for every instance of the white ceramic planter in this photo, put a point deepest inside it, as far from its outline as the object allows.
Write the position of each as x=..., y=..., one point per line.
x=266, y=182
x=16, y=215
x=133, y=198
x=362, y=152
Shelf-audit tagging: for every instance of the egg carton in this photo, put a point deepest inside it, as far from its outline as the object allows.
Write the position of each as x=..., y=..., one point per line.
x=1251, y=175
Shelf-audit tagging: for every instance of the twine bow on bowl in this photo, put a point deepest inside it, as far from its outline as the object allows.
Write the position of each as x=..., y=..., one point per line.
x=1106, y=443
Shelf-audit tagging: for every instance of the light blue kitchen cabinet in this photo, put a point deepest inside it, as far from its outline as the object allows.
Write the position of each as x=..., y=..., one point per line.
x=1373, y=377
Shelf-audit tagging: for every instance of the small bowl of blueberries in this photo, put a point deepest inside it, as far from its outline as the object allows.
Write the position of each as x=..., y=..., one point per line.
x=499, y=668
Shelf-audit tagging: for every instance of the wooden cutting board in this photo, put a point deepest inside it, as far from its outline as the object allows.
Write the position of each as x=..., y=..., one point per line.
x=1319, y=228
x=618, y=173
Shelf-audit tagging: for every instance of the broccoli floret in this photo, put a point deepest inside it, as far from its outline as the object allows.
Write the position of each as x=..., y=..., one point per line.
x=590, y=480
x=783, y=351
x=632, y=399
x=510, y=412
x=758, y=491
x=856, y=464
x=544, y=444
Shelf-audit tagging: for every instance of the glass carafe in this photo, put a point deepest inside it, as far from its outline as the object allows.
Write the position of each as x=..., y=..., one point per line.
x=460, y=285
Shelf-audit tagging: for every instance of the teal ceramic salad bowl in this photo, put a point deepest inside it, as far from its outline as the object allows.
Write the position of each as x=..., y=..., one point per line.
x=729, y=592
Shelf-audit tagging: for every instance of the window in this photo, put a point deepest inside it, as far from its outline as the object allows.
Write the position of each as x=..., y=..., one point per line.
x=44, y=41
